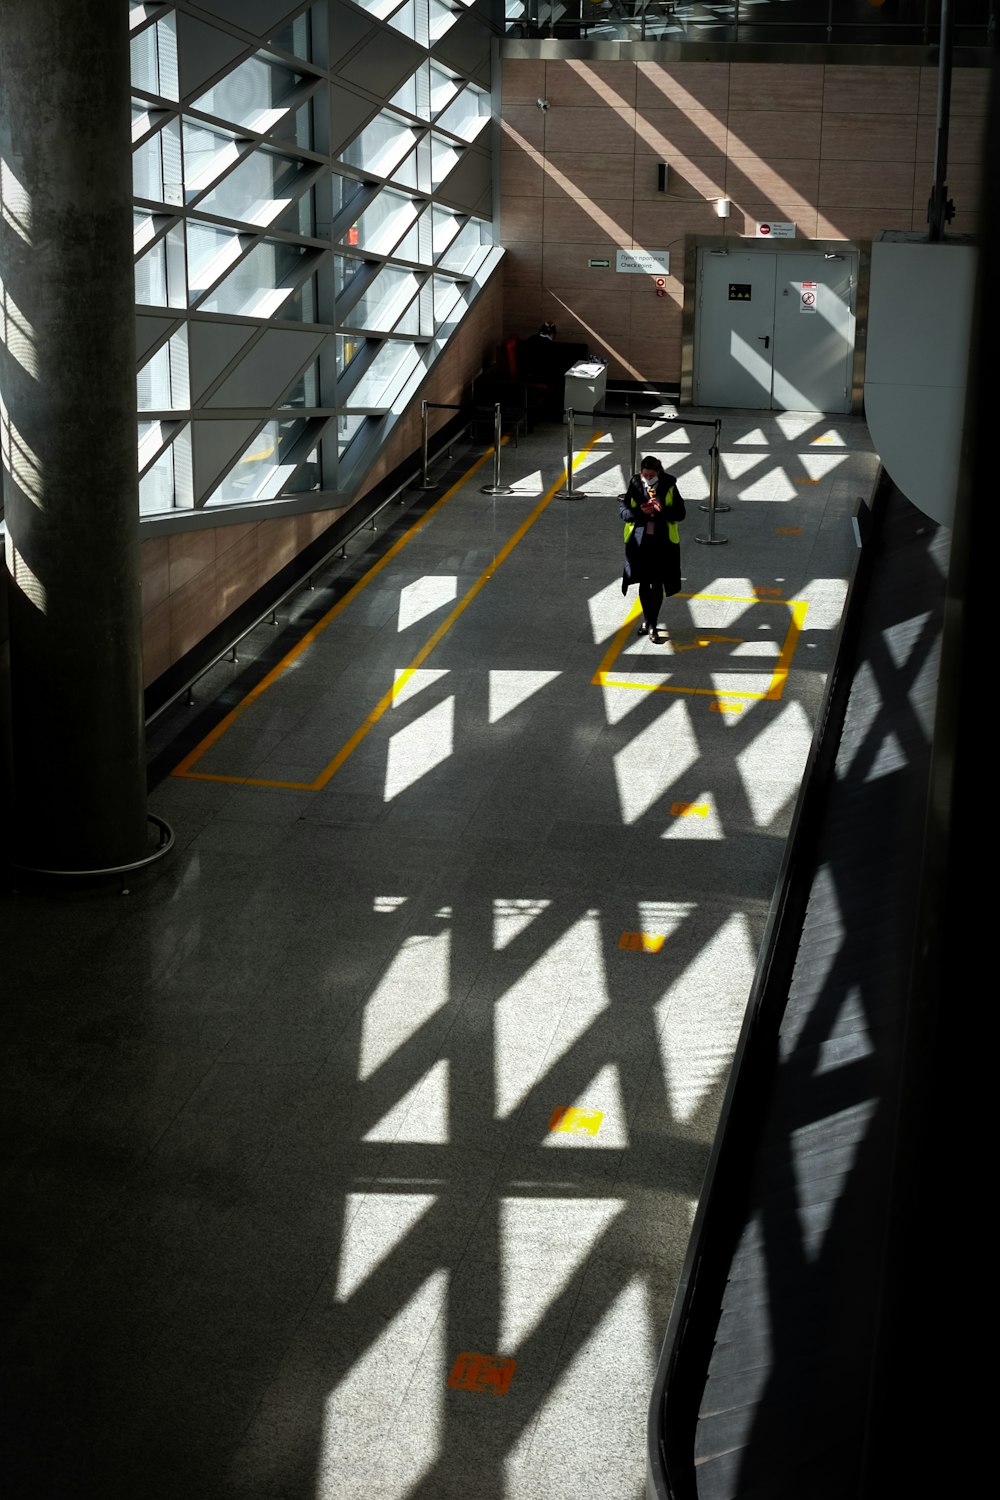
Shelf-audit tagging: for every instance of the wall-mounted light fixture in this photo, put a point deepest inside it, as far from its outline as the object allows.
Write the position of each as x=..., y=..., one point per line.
x=661, y=176
x=542, y=103
x=723, y=207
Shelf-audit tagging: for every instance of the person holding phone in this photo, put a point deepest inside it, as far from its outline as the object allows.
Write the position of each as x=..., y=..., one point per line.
x=651, y=508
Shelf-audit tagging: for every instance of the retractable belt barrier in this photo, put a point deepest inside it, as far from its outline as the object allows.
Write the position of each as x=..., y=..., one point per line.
x=712, y=506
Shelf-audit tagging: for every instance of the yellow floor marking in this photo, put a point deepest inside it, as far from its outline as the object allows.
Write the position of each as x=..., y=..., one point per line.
x=789, y=530
x=489, y=1374
x=797, y=613
x=710, y=639
x=388, y=698
x=689, y=809
x=576, y=1121
x=807, y=481
x=725, y=708
x=642, y=942
x=764, y=591
x=183, y=769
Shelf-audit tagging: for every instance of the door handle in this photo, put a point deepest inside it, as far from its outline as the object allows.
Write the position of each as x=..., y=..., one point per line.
x=766, y=338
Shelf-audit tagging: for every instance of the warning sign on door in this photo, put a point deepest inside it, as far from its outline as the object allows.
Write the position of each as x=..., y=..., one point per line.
x=739, y=291
x=807, y=297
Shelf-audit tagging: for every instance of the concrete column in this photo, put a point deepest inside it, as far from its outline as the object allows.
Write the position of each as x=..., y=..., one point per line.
x=68, y=415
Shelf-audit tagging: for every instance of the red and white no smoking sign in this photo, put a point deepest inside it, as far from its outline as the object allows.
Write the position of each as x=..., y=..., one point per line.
x=807, y=297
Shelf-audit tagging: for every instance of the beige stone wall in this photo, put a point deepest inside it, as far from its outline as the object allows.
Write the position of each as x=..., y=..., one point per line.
x=843, y=152
x=193, y=580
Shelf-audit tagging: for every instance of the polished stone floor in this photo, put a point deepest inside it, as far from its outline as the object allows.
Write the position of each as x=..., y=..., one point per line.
x=354, y=1152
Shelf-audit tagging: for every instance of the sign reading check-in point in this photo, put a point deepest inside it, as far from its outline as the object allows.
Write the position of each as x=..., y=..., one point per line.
x=643, y=262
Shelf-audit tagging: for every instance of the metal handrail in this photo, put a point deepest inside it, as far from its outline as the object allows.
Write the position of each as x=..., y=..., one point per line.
x=304, y=581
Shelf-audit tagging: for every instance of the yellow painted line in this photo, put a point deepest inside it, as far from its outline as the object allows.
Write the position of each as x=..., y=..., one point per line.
x=725, y=708
x=483, y=1374
x=789, y=530
x=388, y=698
x=689, y=809
x=798, y=607
x=576, y=1121
x=709, y=639
x=184, y=768
x=807, y=481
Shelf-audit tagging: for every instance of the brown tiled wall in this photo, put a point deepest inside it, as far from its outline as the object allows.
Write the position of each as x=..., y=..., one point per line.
x=843, y=152
x=193, y=580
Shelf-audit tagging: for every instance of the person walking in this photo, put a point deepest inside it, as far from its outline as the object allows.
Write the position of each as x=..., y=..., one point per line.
x=651, y=508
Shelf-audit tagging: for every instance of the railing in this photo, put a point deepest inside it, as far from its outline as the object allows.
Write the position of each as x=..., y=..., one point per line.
x=744, y=21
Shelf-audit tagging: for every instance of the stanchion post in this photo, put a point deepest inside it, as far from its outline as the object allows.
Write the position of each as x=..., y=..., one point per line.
x=714, y=504
x=713, y=495
x=567, y=493
x=634, y=464
x=496, y=488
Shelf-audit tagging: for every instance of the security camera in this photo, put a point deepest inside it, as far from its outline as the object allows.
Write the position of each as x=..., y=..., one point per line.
x=542, y=103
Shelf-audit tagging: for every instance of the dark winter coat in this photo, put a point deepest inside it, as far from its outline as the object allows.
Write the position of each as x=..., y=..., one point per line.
x=652, y=557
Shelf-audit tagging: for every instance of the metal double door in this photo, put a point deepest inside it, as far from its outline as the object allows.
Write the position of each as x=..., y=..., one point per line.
x=775, y=330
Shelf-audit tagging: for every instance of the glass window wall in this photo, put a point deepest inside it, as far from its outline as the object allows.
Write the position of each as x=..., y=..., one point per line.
x=256, y=191
x=383, y=223
x=207, y=154
x=159, y=274
x=265, y=466
x=348, y=346
x=348, y=429
x=254, y=95
x=386, y=375
x=444, y=157
x=467, y=251
x=259, y=284
x=296, y=37
x=157, y=174
x=305, y=391
x=167, y=484
x=444, y=87
x=154, y=58
x=380, y=146
x=468, y=114
x=211, y=251
x=163, y=383
x=381, y=306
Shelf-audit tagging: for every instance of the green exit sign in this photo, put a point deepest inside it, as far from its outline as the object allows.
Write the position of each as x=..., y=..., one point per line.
x=602, y=265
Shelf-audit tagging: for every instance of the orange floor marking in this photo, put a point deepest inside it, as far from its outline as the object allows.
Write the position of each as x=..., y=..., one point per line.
x=689, y=809
x=642, y=942
x=484, y=1374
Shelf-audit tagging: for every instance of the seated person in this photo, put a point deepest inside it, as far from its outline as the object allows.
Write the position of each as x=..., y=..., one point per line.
x=541, y=362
